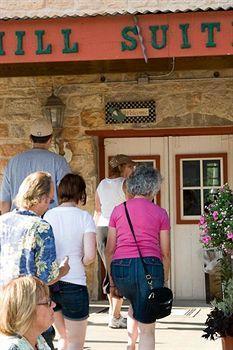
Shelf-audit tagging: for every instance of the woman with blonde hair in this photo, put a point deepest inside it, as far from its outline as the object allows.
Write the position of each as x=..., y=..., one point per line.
x=110, y=192
x=26, y=311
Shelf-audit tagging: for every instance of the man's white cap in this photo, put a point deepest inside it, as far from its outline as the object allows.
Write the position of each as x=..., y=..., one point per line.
x=41, y=127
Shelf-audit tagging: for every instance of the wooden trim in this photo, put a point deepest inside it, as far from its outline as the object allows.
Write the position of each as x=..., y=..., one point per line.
x=213, y=130
x=177, y=166
x=225, y=168
x=101, y=159
x=178, y=207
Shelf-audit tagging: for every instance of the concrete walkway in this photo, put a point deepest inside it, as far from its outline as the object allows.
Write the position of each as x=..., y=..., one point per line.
x=180, y=331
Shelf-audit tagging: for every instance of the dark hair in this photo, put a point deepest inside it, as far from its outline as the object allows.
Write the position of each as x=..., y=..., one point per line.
x=114, y=171
x=40, y=139
x=72, y=188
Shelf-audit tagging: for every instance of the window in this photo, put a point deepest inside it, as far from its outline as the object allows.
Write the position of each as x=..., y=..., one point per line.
x=197, y=175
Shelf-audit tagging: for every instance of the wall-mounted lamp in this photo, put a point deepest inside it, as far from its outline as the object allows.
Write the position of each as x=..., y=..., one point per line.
x=54, y=110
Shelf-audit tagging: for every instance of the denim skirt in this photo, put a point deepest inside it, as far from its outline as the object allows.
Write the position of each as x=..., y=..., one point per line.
x=129, y=277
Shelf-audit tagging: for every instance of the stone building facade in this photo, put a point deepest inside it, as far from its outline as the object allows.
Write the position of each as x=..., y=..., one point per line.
x=187, y=99
x=191, y=96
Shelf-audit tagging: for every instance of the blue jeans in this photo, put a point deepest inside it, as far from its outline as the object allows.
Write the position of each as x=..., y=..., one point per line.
x=71, y=299
x=129, y=277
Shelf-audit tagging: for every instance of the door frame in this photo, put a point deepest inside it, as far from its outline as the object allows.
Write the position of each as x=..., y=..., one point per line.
x=107, y=134
x=128, y=133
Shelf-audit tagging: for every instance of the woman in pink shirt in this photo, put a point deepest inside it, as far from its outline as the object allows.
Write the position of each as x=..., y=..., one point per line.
x=152, y=227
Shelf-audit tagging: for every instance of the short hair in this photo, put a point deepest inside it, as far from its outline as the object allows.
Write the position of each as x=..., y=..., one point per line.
x=144, y=181
x=115, y=171
x=32, y=189
x=18, y=301
x=72, y=188
x=40, y=139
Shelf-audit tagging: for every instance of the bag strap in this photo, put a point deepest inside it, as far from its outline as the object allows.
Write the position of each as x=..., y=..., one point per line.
x=147, y=274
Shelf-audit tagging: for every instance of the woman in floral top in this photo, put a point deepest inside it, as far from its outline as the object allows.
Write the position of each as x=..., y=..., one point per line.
x=26, y=311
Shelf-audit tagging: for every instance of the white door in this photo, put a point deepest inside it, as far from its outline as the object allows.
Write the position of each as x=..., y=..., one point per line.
x=190, y=167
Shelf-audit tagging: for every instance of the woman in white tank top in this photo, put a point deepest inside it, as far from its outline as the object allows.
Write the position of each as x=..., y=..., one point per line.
x=111, y=192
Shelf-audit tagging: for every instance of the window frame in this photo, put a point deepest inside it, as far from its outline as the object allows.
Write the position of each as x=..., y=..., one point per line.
x=180, y=219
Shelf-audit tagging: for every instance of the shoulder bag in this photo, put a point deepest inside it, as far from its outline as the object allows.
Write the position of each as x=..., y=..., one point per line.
x=159, y=300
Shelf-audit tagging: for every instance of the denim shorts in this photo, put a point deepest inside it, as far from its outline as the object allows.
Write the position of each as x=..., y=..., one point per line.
x=129, y=277
x=71, y=299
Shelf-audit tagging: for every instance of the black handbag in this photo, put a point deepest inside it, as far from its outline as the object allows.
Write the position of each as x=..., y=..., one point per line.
x=159, y=300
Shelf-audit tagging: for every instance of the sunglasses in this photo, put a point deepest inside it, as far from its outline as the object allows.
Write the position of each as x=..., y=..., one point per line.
x=48, y=303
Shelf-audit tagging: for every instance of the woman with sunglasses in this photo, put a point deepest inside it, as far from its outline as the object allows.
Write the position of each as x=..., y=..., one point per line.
x=26, y=311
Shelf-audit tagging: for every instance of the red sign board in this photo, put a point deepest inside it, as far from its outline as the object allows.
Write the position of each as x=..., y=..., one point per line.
x=117, y=37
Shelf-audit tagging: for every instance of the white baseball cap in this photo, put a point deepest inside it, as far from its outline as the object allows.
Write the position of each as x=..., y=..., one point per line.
x=41, y=127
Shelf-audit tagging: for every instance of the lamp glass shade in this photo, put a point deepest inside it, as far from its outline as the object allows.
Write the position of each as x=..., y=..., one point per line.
x=54, y=110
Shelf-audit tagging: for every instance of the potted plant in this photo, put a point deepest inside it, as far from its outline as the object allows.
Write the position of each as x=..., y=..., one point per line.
x=216, y=225
x=219, y=321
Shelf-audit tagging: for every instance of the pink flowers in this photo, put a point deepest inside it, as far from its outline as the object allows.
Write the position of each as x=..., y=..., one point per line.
x=216, y=222
x=202, y=220
x=230, y=235
x=215, y=215
x=206, y=239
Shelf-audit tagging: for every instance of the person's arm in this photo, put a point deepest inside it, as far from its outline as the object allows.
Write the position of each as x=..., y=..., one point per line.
x=97, y=208
x=5, y=200
x=63, y=169
x=166, y=253
x=47, y=268
x=63, y=270
x=89, y=247
x=5, y=207
x=109, y=251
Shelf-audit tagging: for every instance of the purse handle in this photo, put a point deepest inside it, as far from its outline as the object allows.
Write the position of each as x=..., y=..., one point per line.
x=147, y=274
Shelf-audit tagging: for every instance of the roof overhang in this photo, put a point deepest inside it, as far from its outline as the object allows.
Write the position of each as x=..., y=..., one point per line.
x=21, y=10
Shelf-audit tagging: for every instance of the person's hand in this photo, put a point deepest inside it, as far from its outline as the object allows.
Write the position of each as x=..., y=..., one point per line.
x=114, y=292
x=64, y=266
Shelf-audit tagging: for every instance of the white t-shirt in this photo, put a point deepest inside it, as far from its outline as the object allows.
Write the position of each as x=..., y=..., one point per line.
x=70, y=224
x=110, y=192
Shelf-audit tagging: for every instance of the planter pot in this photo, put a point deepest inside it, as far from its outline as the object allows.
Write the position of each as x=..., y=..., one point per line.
x=227, y=343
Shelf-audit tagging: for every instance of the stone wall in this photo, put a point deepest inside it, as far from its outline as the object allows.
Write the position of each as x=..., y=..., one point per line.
x=187, y=99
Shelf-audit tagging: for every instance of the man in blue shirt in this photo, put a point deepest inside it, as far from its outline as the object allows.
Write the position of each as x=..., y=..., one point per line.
x=39, y=158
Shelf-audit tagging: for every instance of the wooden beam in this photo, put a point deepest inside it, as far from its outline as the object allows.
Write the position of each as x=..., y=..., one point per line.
x=213, y=130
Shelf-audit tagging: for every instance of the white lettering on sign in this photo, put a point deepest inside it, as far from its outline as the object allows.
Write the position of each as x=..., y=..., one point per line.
x=136, y=112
